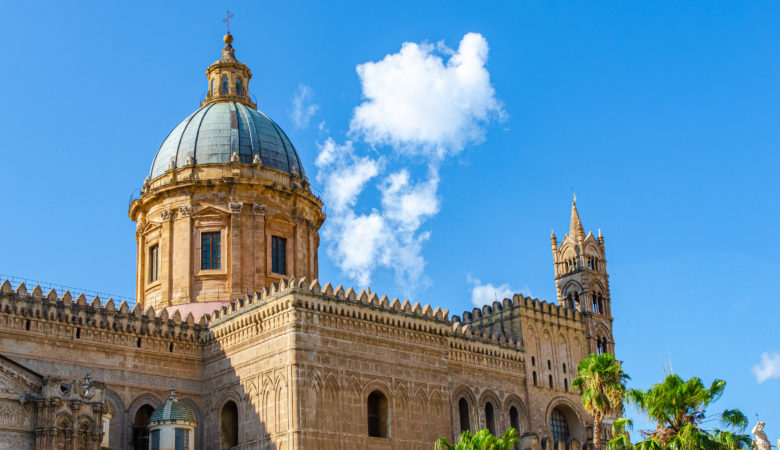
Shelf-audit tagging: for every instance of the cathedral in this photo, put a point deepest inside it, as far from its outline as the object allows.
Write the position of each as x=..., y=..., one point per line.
x=197, y=363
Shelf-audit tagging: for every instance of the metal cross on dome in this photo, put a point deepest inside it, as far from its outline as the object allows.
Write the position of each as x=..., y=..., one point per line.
x=226, y=20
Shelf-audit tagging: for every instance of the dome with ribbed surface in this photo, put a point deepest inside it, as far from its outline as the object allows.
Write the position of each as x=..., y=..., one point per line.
x=172, y=410
x=216, y=131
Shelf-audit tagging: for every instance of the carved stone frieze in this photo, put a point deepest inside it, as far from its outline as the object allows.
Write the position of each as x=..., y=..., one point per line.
x=186, y=211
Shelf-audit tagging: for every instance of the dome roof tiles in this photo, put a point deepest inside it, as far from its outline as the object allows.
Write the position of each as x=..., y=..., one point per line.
x=172, y=410
x=217, y=130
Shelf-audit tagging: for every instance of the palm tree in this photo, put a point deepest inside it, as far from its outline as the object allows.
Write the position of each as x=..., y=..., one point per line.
x=678, y=407
x=602, y=383
x=621, y=438
x=481, y=440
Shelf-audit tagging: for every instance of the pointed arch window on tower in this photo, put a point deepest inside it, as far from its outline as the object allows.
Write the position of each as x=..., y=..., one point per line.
x=225, y=85
x=239, y=87
x=601, y=304
x=595, y=304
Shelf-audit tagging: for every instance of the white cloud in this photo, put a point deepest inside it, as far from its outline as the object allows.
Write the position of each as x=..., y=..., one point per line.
x=303, y=109
x=418, y=103
x=346, y=174
x=408, y=203
x=768, y=368
x=487, y=293
x=420, y=106
x=361, y=242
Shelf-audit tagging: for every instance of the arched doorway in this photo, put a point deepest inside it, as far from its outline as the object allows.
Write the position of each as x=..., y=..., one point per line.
x=378, y=415
x=229, y=428
x=140, y=427
x=559, y=427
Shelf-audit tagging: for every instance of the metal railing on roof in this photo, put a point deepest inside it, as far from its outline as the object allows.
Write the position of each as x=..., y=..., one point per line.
x=47, y=286
x=136, y=194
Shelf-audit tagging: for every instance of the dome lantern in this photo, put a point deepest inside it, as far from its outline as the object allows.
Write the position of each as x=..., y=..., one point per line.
x=228, y=78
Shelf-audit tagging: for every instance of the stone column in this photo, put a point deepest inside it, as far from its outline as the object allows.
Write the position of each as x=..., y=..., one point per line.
x=166, y=258
x=234, y=248
x=260, y=246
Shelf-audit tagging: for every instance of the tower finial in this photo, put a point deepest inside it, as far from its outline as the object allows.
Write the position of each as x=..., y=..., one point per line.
x=574, y=198
x=226, y=20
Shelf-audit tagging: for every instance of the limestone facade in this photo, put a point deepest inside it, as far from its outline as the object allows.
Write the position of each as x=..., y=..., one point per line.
x=247, y=204
x=298, y=363
x=272, y=359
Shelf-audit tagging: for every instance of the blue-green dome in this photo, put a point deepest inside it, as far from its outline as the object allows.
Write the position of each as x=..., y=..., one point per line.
x=217, y=130
x=172, y=410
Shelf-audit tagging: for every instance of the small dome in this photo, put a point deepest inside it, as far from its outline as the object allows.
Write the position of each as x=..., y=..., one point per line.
x=216, y=131
x=172, y=410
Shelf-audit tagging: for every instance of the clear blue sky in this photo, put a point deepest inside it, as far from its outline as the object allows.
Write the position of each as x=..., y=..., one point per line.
x=662, y=116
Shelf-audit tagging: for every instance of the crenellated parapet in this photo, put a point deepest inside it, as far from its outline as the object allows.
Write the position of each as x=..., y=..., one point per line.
x=79, y=318
x=508, y=316
x=262, y=311
x=540, y=307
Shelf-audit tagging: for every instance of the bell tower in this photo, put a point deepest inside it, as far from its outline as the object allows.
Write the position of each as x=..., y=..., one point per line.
x=581, y=279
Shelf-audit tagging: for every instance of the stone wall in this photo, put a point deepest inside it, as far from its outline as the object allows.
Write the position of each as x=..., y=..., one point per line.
x=300, y=360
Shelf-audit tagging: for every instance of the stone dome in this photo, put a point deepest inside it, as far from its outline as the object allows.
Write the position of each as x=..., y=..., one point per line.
x=216, y=131
x=172, y=410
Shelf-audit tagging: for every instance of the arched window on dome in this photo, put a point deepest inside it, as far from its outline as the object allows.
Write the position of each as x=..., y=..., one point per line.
x=225, y=85
x=213, y=87
x=239, y=87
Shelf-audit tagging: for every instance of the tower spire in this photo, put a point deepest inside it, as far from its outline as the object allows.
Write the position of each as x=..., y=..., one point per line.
x=576, y=230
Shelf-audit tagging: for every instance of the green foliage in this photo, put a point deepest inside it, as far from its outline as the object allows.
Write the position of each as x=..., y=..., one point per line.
x=601, y=381
x=621, y=435
x=481, y=440
x=678, y=407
